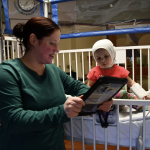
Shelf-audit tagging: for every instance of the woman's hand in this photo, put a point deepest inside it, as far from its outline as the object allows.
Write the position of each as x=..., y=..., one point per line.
x=106, y=106
x=73, y=106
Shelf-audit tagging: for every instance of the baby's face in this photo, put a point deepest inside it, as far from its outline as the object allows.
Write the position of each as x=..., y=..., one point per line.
x=103, y=58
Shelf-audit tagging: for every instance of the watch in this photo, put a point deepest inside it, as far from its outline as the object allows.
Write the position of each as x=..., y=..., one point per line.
x=26, y=7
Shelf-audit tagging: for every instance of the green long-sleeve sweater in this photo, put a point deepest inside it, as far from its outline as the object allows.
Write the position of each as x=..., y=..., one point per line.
x=31, y=106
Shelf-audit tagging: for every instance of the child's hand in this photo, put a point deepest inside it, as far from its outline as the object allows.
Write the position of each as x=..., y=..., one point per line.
x=146, y=97
x=106, y=106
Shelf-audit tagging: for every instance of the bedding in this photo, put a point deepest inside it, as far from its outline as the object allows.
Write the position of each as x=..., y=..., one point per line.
x=122, y=94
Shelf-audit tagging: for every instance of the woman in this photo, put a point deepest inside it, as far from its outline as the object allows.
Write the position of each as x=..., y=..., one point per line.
x=33, y=106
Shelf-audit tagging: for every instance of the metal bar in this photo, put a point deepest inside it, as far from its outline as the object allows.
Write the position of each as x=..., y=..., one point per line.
x=131, y=47
x=63, y=62
x=76, y=58
x=70, y=63
x=1, y=51
x=131, y=102
x=106, y=133
x=126, y=62
x=49, y=10
x=4, y=51
x=141, y=67
x=94, y=133
x=133, y=64
x=17, y=49
x=23, y=49
x=130, y=127
x=1, y=34
x=126, y=68
x=116, y=48
x=7, y=50
x=89, y=49
x=82, y=124
x=45, y=10
x=57, y=60
x=118, y=128
x=71, y=129
x=75, y=50
x=148, y=69
x=83, y=67
x=8, y=38
x=13, y=49
x=89, y=61
x=144, y=127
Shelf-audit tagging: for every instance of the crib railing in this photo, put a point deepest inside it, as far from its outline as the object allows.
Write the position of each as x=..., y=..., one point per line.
x=131, y=102
x=82, y=61
x=11, y=48
x=118, y=102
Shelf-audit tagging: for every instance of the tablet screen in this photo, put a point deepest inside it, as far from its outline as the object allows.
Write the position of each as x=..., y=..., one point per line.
x=103, y=90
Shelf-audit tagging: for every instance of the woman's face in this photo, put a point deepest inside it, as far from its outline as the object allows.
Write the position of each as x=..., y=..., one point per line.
x=103, y=58
x=47, y=47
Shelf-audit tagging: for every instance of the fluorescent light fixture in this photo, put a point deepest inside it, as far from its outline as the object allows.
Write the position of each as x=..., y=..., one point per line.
x=132, y=26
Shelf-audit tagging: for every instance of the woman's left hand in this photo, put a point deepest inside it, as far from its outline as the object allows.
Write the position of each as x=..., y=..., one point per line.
x=106, y=106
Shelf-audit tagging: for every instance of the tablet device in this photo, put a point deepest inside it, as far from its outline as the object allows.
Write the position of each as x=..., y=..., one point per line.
x=104, y=89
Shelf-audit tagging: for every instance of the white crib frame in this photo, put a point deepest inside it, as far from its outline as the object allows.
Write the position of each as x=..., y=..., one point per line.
x=14, y=46
x=117, y=102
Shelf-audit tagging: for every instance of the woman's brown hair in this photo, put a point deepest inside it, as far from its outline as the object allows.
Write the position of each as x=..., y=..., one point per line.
x=40, y=26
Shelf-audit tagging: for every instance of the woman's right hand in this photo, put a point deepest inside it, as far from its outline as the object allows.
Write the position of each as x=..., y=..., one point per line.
x=73, y=106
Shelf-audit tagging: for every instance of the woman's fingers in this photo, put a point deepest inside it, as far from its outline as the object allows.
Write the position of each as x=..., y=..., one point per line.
x=79, y=101
x=106, y=106
x=73, y=106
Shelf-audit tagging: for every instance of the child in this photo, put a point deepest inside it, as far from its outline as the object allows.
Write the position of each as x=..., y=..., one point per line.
x=104, y=54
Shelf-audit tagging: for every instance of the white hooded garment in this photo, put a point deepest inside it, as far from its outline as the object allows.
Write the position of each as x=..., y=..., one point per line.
x=107, y=45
